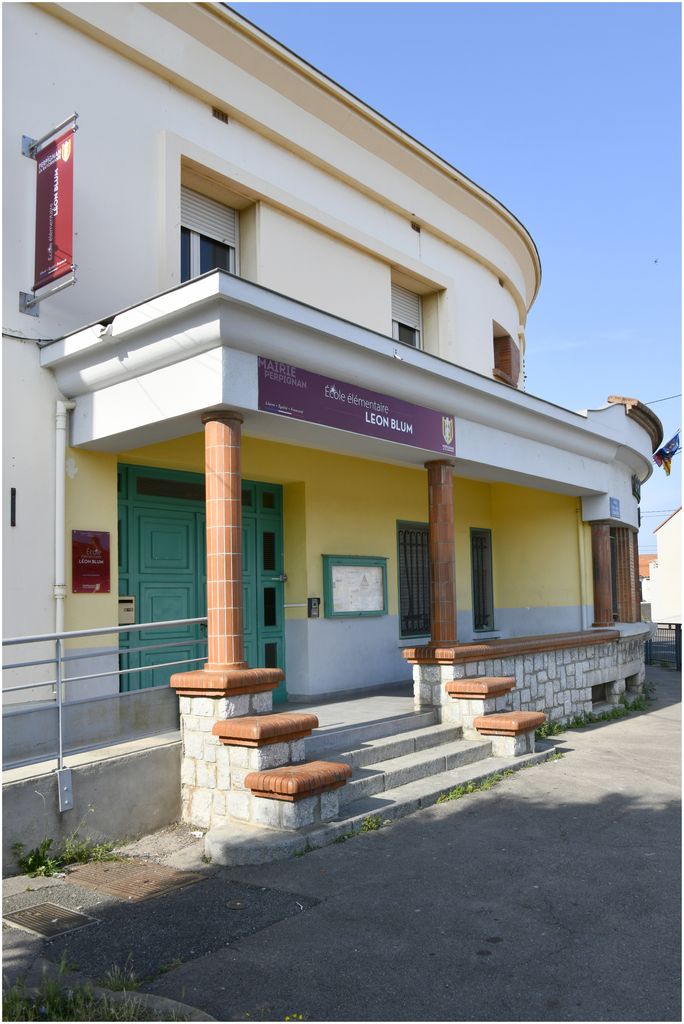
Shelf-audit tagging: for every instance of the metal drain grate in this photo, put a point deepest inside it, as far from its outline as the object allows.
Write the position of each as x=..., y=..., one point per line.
x=48, y=919
x=131, y=881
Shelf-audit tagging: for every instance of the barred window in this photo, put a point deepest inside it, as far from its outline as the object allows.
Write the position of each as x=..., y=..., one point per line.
x=483, y=590
x=414, y=579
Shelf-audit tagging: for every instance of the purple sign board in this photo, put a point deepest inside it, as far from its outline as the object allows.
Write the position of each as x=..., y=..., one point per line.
x=90, y=562
x=289, y=391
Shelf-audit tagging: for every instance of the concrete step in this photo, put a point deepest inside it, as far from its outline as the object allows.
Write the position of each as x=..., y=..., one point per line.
x=394, y=772
x=236, y=844
x=386, y=747
x=405, y=799
x=350, y=737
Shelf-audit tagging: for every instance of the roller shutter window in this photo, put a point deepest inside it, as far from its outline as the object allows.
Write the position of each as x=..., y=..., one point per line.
x=414, y=579
x=406, y=316
x=209, y=235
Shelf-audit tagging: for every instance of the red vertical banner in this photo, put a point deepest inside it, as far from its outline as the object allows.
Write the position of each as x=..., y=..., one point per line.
x=90, y=562
x=55, y=210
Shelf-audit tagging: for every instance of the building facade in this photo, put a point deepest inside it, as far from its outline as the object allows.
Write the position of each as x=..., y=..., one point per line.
x=666, y=571
x=258, y=249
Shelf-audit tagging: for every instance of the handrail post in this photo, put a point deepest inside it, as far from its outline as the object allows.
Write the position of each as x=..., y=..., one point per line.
x=60, y=756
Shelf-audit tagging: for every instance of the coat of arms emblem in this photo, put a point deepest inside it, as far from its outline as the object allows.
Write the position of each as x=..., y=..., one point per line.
x=65, y=150
x=447, y=429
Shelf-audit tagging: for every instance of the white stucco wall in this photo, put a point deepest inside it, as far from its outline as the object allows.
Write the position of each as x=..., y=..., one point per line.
x=28, y=428
x=666, y=572
x=135, y=129
x=315, y=225
x=327, y=200
x=311, y=266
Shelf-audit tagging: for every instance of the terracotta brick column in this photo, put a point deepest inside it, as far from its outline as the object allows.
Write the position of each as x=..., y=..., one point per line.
x=637, y=582
x=211, y=779
x=601, y=561
x=224, y=539
x=442, y=552
x=629, y=609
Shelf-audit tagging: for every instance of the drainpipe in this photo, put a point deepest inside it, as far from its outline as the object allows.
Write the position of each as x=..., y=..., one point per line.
x=59, y=590
x=582, y=570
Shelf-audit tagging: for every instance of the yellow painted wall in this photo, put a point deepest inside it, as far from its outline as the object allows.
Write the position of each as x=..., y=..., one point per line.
x=535, y=545
x=347, y=506
x=472, y=507
x=91, y=504
x=325, y=496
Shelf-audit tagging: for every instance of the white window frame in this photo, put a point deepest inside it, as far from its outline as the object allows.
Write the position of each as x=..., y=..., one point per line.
x=407, y=311
x=204, y=217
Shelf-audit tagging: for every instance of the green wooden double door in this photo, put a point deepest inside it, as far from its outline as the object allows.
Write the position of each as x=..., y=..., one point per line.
x=162, y=564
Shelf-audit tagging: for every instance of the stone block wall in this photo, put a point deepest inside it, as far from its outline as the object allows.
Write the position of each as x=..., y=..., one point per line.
x=210, y=779
x=213, y=773
x=557, y=681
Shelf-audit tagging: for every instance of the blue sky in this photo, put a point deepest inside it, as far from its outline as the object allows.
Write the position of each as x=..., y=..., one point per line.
x=569, y=114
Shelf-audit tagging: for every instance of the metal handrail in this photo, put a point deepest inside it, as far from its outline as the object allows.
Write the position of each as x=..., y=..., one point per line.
x=61, y=657
x=100, y=631
x=105, y=651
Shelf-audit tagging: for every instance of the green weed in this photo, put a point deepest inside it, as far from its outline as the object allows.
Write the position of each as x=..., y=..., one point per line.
x=37, y=862
x=465, y=788
x=371, y=823
x=121, y=979
x=83, y=851
x=549, y=729
x=40, y=862
x=621, y=710
x=55, y=1000
x=345, y=836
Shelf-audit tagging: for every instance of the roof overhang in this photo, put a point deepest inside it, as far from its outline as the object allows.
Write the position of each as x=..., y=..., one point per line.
x=147, y=373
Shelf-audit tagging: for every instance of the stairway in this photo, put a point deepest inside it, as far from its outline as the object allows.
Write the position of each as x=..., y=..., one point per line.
x=399, y=765
x=394, y=775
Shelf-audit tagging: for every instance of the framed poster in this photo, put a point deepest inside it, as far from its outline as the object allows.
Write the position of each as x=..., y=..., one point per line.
x=90, y=562
x=354, y=586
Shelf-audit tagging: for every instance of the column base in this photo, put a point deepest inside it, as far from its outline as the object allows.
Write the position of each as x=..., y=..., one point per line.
x=225, y=682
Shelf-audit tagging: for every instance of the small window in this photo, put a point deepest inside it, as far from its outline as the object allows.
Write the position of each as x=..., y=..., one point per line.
x=414, y=579
x=209, y=235
x=483, y=590
x=406, y=316
x=506, y=358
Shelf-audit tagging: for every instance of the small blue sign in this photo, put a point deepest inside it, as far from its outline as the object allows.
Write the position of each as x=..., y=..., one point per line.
x=614, y=508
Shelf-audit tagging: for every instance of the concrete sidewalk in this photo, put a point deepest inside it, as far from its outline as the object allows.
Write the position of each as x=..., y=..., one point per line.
x=554, y=896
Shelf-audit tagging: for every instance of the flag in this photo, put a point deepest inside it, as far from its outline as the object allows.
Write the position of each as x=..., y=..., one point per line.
x=663, y=457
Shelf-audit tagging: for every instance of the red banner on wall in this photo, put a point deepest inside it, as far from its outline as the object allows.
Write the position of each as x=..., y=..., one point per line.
x=90, y=562
x=55, y=210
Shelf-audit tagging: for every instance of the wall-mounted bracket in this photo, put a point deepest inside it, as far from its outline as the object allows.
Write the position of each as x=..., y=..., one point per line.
x=30, y=147
x=28, y=301
x=65, y=789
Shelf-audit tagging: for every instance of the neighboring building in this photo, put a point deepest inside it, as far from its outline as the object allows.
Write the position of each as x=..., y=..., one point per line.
x=250, y=236
x=645, y=563
x=666, y=571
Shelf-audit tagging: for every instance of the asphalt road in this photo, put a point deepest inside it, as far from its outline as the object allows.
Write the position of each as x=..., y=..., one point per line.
x=553, y=896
